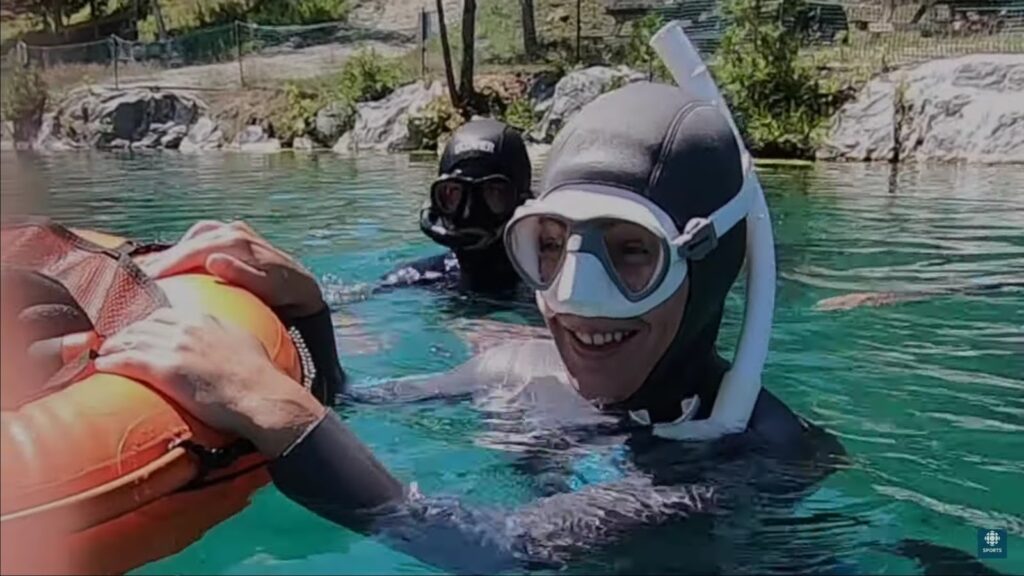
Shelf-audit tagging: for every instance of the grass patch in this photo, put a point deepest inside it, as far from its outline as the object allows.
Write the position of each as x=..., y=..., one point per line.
x=366, y=76
x=779, y=100
x=184, y=16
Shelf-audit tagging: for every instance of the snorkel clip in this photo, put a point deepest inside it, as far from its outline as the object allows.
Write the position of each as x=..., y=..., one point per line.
x=741, y=385
x=698, y=239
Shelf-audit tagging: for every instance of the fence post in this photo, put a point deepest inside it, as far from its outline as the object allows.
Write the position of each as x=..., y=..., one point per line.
x=21, y=49
x=423, y=42
x=579, y=28
x=238, y=50
x=113, y=54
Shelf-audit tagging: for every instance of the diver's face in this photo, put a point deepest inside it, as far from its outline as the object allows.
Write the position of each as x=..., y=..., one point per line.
x=610, y=358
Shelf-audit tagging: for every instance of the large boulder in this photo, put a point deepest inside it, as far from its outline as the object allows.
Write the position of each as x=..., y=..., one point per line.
x=576, y=90
x=104, y=117
x=254, y=139
x=303, y=144
x=205, y=134
x=332, y=121
x=49, y=139
x=383, y=125
x=957, y=109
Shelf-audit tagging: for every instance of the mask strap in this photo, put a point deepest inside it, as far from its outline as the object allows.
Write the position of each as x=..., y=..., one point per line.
x=701, y=235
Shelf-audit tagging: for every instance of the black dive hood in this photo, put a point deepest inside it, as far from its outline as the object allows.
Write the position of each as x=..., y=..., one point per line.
x=680, y=153
x=478, y=149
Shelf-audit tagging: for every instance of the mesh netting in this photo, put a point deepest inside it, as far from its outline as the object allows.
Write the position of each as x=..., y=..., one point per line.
x=111, y=290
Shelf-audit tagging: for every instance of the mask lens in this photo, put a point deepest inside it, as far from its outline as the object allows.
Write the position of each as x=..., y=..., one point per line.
x=447, y=196
x=537, y=243
x=499, y=195
x=637, y=255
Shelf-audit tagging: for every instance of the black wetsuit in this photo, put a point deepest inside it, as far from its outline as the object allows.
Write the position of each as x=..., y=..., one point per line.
x=479, y=151
x=648, y=140
x=661, y=483
x=491, y=280
x=534, y=412
x=522, y=387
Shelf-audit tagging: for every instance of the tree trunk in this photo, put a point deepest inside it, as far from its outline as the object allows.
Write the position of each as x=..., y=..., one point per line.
x=466, y=91
x=57, y=15
x=529, y=28
x=94, y=15
x=446, y=51
x=160, y=28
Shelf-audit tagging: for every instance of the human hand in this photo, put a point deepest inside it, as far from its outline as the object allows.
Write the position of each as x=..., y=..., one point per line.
x=42, y=329
x=235, y=253
x=183, y=355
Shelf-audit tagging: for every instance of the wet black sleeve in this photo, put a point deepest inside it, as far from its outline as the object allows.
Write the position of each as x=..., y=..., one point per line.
x=318, y=333
x=333, y=474
x=422, y=271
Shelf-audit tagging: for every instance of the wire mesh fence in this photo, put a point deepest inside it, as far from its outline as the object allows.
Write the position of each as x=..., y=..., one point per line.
x=232, y=55
x=241, y=54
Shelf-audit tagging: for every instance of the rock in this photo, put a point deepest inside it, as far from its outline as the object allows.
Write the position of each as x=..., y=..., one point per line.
x=332, y=121
x=344, y=144
x=252, y=134
x=968, y=109
x=254, y=139
x=576, y=90
x=144, y=118
x=174, y=136
x=538, y=153
x=302, y=143
x=266, y=147
x=383, y=125
x=542, y=91
x=47, y=138
x=205, y=134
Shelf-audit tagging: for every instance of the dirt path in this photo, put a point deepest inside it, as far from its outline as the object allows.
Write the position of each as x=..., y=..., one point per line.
x=261, y=69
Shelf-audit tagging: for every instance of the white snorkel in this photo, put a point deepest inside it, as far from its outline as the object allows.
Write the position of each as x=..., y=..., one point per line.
x=742, y=383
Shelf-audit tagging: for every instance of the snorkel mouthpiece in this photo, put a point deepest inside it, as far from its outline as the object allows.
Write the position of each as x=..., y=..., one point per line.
x=741, y=385
x=461, y=239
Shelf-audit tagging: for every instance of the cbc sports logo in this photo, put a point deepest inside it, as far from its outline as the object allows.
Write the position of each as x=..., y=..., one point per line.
x=991, y=543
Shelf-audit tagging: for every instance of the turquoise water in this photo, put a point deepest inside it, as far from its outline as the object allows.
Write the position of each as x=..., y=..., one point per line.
x=927, y=395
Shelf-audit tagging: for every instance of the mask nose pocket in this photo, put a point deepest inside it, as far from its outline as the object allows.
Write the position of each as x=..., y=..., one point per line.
x=583, y=279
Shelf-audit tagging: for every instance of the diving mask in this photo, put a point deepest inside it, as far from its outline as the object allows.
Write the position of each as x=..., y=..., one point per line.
x=600, y=251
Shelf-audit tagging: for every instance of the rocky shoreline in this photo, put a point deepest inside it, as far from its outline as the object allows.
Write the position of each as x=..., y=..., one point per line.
x=967, y=109
x=151, y=118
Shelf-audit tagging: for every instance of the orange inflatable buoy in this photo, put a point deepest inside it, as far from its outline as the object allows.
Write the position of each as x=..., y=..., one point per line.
x=103, y=474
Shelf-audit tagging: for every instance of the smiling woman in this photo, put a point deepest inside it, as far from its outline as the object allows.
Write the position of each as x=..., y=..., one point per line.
x=609, y=359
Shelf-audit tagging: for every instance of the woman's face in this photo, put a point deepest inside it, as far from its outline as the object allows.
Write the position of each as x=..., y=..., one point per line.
x=610, y=358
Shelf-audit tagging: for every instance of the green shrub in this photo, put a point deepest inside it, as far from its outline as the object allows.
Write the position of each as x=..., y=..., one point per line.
x=23, y=96
x=520, y=114
x=276, y=12
x=499, y=31
x=434, y=124
x=271, y=12
x=292, y=116
x=181, y=17
x=364, y=77
x=778, y=100
x=639, y=55
x=368, y=76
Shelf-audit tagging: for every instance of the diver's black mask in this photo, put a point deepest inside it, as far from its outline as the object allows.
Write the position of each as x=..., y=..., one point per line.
x=484, y=173
x=467, y=213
